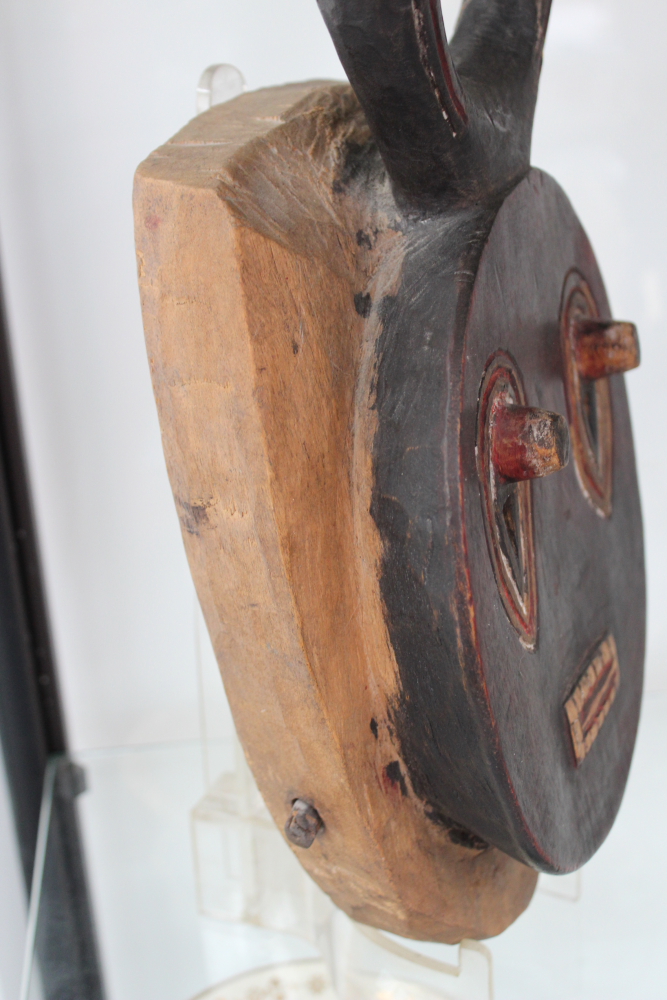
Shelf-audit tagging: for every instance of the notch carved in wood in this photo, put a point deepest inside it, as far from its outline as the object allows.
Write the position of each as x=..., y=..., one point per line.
x=590, y=703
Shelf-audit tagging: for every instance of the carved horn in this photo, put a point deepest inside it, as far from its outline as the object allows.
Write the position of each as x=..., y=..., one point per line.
x=453, y=123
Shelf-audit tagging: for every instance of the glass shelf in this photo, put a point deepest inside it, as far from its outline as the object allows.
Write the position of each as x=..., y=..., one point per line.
x=170, y=927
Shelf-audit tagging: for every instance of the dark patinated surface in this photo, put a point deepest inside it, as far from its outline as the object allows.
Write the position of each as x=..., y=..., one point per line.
x=497, y=592
x=482, y=719
x=364, y=317
x=453, y=122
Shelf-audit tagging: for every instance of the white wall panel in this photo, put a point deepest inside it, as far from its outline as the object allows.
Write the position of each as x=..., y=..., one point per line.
x=87, y=91
x=599, y=131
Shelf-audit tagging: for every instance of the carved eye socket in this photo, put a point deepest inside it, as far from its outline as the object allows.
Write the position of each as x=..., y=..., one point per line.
x=515, y=443
x=588, y=399
x=507, y=502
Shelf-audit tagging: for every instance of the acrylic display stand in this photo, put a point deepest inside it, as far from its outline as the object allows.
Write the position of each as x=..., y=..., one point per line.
x=217, y=84
x=306, y=980
x=246, y=873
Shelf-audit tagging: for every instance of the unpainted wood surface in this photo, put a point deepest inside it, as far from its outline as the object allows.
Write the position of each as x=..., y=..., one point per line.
x=261, y=228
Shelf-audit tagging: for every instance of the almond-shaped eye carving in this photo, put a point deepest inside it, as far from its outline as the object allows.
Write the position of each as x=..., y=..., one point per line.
x=593, y=349
x=515, y=443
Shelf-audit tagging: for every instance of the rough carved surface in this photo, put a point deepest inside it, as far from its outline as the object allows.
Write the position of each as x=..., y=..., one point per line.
x=401, y=624
x=262, y=355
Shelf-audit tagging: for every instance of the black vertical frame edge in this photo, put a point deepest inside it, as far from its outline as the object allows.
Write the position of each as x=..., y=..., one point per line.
x=31, y=721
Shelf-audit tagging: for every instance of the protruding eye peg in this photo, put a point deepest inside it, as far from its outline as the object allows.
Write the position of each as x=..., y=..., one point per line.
x=515, y=443
x=605, y=347
x=526, y=442
x=511, y=437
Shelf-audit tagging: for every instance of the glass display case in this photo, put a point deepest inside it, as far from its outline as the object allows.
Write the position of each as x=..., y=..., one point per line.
x=196, y=893
x=192, y=893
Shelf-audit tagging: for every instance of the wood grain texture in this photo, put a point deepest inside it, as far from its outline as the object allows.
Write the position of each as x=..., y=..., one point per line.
x=400, y=633
x=270, y=251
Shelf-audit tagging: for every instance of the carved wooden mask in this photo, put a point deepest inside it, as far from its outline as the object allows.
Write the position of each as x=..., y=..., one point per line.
x=376, y=337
